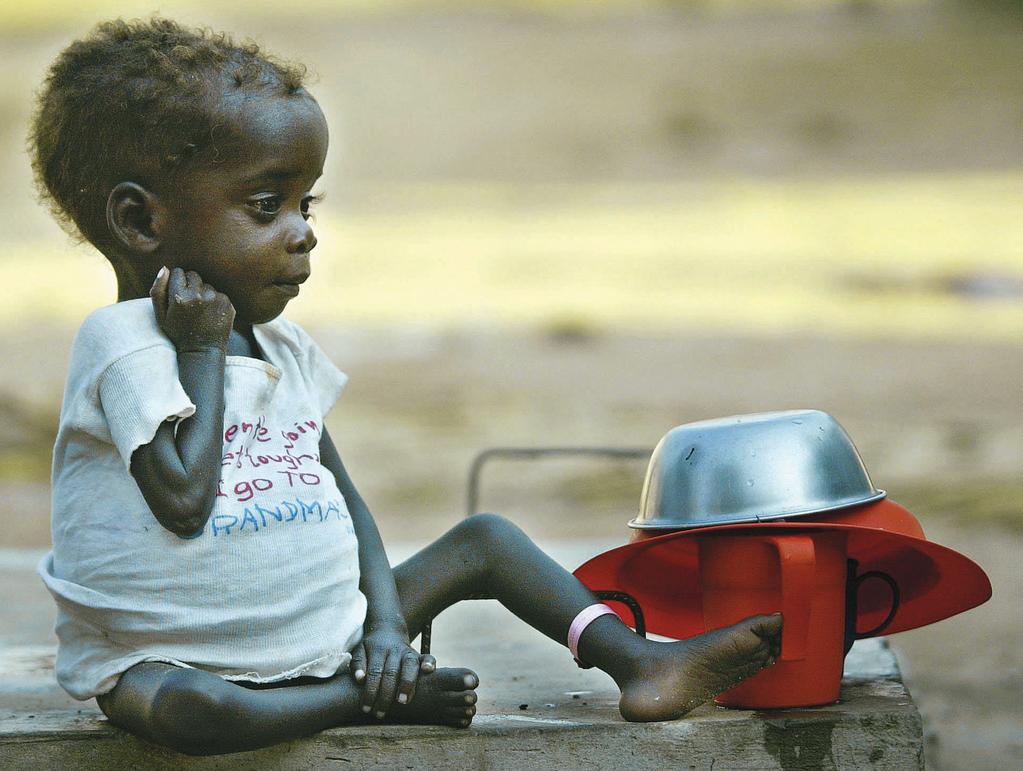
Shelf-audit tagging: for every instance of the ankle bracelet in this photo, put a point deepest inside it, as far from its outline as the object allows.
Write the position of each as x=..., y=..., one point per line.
x=585, y=617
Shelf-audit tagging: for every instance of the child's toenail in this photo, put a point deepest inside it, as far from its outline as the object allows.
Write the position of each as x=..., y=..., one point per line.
x=380, y=715
x=402, y=698
x=366, y=708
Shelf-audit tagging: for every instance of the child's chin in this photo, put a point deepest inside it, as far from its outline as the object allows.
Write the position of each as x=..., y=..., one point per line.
x=260, y=315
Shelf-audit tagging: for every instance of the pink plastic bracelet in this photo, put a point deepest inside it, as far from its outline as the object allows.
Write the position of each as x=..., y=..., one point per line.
x=586, y=617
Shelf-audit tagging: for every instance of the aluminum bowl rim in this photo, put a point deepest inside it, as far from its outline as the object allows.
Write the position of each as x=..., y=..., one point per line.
x=663, y=524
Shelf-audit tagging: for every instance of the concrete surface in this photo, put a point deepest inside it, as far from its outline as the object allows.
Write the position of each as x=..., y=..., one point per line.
x=536, y=710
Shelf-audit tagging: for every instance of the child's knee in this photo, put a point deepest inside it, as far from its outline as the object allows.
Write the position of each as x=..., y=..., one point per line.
x=490, y=529
x=183, y=709
x=191, y=711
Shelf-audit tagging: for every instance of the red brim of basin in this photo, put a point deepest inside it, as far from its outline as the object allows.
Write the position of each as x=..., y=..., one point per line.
x=662, y=571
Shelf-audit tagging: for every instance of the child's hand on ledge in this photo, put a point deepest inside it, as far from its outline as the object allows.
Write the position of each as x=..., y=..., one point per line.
x=190, y=312
x=387, y=667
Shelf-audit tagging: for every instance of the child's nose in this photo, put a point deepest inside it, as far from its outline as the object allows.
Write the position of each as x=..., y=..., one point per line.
x=302, y=239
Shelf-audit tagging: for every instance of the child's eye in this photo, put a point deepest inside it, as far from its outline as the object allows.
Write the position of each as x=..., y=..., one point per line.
x=268, y=204
x=308, y=203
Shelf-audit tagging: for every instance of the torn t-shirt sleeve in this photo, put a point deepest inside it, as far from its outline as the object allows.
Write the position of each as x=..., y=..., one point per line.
x=137, y=393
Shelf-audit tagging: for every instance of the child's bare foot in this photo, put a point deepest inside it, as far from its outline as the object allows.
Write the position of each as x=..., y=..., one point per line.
x=679, y=676
x=443, y=697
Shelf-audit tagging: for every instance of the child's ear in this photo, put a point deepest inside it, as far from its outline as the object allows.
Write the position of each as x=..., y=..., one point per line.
x=134, y=218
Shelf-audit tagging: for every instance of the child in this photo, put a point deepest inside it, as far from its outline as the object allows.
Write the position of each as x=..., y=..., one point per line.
x=220, y=583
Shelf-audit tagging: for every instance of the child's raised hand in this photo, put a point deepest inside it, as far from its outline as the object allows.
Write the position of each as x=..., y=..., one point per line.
x=191, y=312
x=388, y=668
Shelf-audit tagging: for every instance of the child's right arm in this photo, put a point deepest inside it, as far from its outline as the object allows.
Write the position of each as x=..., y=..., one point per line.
x=178, y=471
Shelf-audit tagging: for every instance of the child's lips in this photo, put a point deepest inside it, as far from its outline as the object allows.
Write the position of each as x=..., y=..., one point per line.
x=290, y=285
x=289, y=289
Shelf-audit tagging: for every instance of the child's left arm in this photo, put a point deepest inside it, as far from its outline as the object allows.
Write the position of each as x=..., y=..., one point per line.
x=384, y=661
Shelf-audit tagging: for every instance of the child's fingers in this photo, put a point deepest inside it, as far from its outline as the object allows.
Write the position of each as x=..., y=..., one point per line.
x=374, y=671
x=162, y=276
x=388, y=683
x=158, y=293
x=427, y=663
x=176, y=284
x=358, y=667
x=407, y=677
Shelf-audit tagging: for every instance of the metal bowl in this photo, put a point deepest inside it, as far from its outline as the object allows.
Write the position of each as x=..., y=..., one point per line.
x=752, y=468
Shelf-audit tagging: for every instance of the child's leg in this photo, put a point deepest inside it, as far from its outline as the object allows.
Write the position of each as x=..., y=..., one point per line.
x=199, y=713
x=487, y=556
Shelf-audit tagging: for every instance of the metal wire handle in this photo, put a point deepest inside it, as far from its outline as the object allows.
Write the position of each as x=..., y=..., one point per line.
x=533, y=453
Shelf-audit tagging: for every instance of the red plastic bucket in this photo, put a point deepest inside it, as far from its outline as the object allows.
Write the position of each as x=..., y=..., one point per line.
x=806, y=576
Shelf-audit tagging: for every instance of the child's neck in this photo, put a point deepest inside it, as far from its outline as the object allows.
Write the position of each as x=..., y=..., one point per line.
x=242, y=342
x=130, y=286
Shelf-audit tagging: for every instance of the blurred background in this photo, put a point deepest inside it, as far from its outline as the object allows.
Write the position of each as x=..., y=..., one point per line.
x=559, y=222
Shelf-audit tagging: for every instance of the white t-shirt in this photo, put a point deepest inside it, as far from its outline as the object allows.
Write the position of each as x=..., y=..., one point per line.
x=270, y=589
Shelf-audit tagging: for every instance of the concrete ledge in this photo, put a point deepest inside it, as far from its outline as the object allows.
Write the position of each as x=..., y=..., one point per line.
x=875, y=725
x=536, y=710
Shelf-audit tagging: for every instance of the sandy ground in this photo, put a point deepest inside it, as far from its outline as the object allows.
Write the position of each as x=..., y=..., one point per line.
x=932, y=421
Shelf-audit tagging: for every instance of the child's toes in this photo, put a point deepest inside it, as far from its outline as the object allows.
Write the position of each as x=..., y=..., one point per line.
x=456, y=715
x=459, y=699
x=455, y=679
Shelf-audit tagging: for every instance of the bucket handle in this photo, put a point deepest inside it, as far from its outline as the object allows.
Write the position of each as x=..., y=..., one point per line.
x=797, y=566
x=852, y=603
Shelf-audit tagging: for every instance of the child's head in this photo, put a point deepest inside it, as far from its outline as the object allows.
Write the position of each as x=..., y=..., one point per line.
x=163, y=145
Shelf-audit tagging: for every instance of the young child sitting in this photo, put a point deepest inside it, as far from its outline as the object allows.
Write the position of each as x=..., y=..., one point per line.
x=220, y=583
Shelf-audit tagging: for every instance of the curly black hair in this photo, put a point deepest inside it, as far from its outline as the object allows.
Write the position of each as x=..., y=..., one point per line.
x=135, y=101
